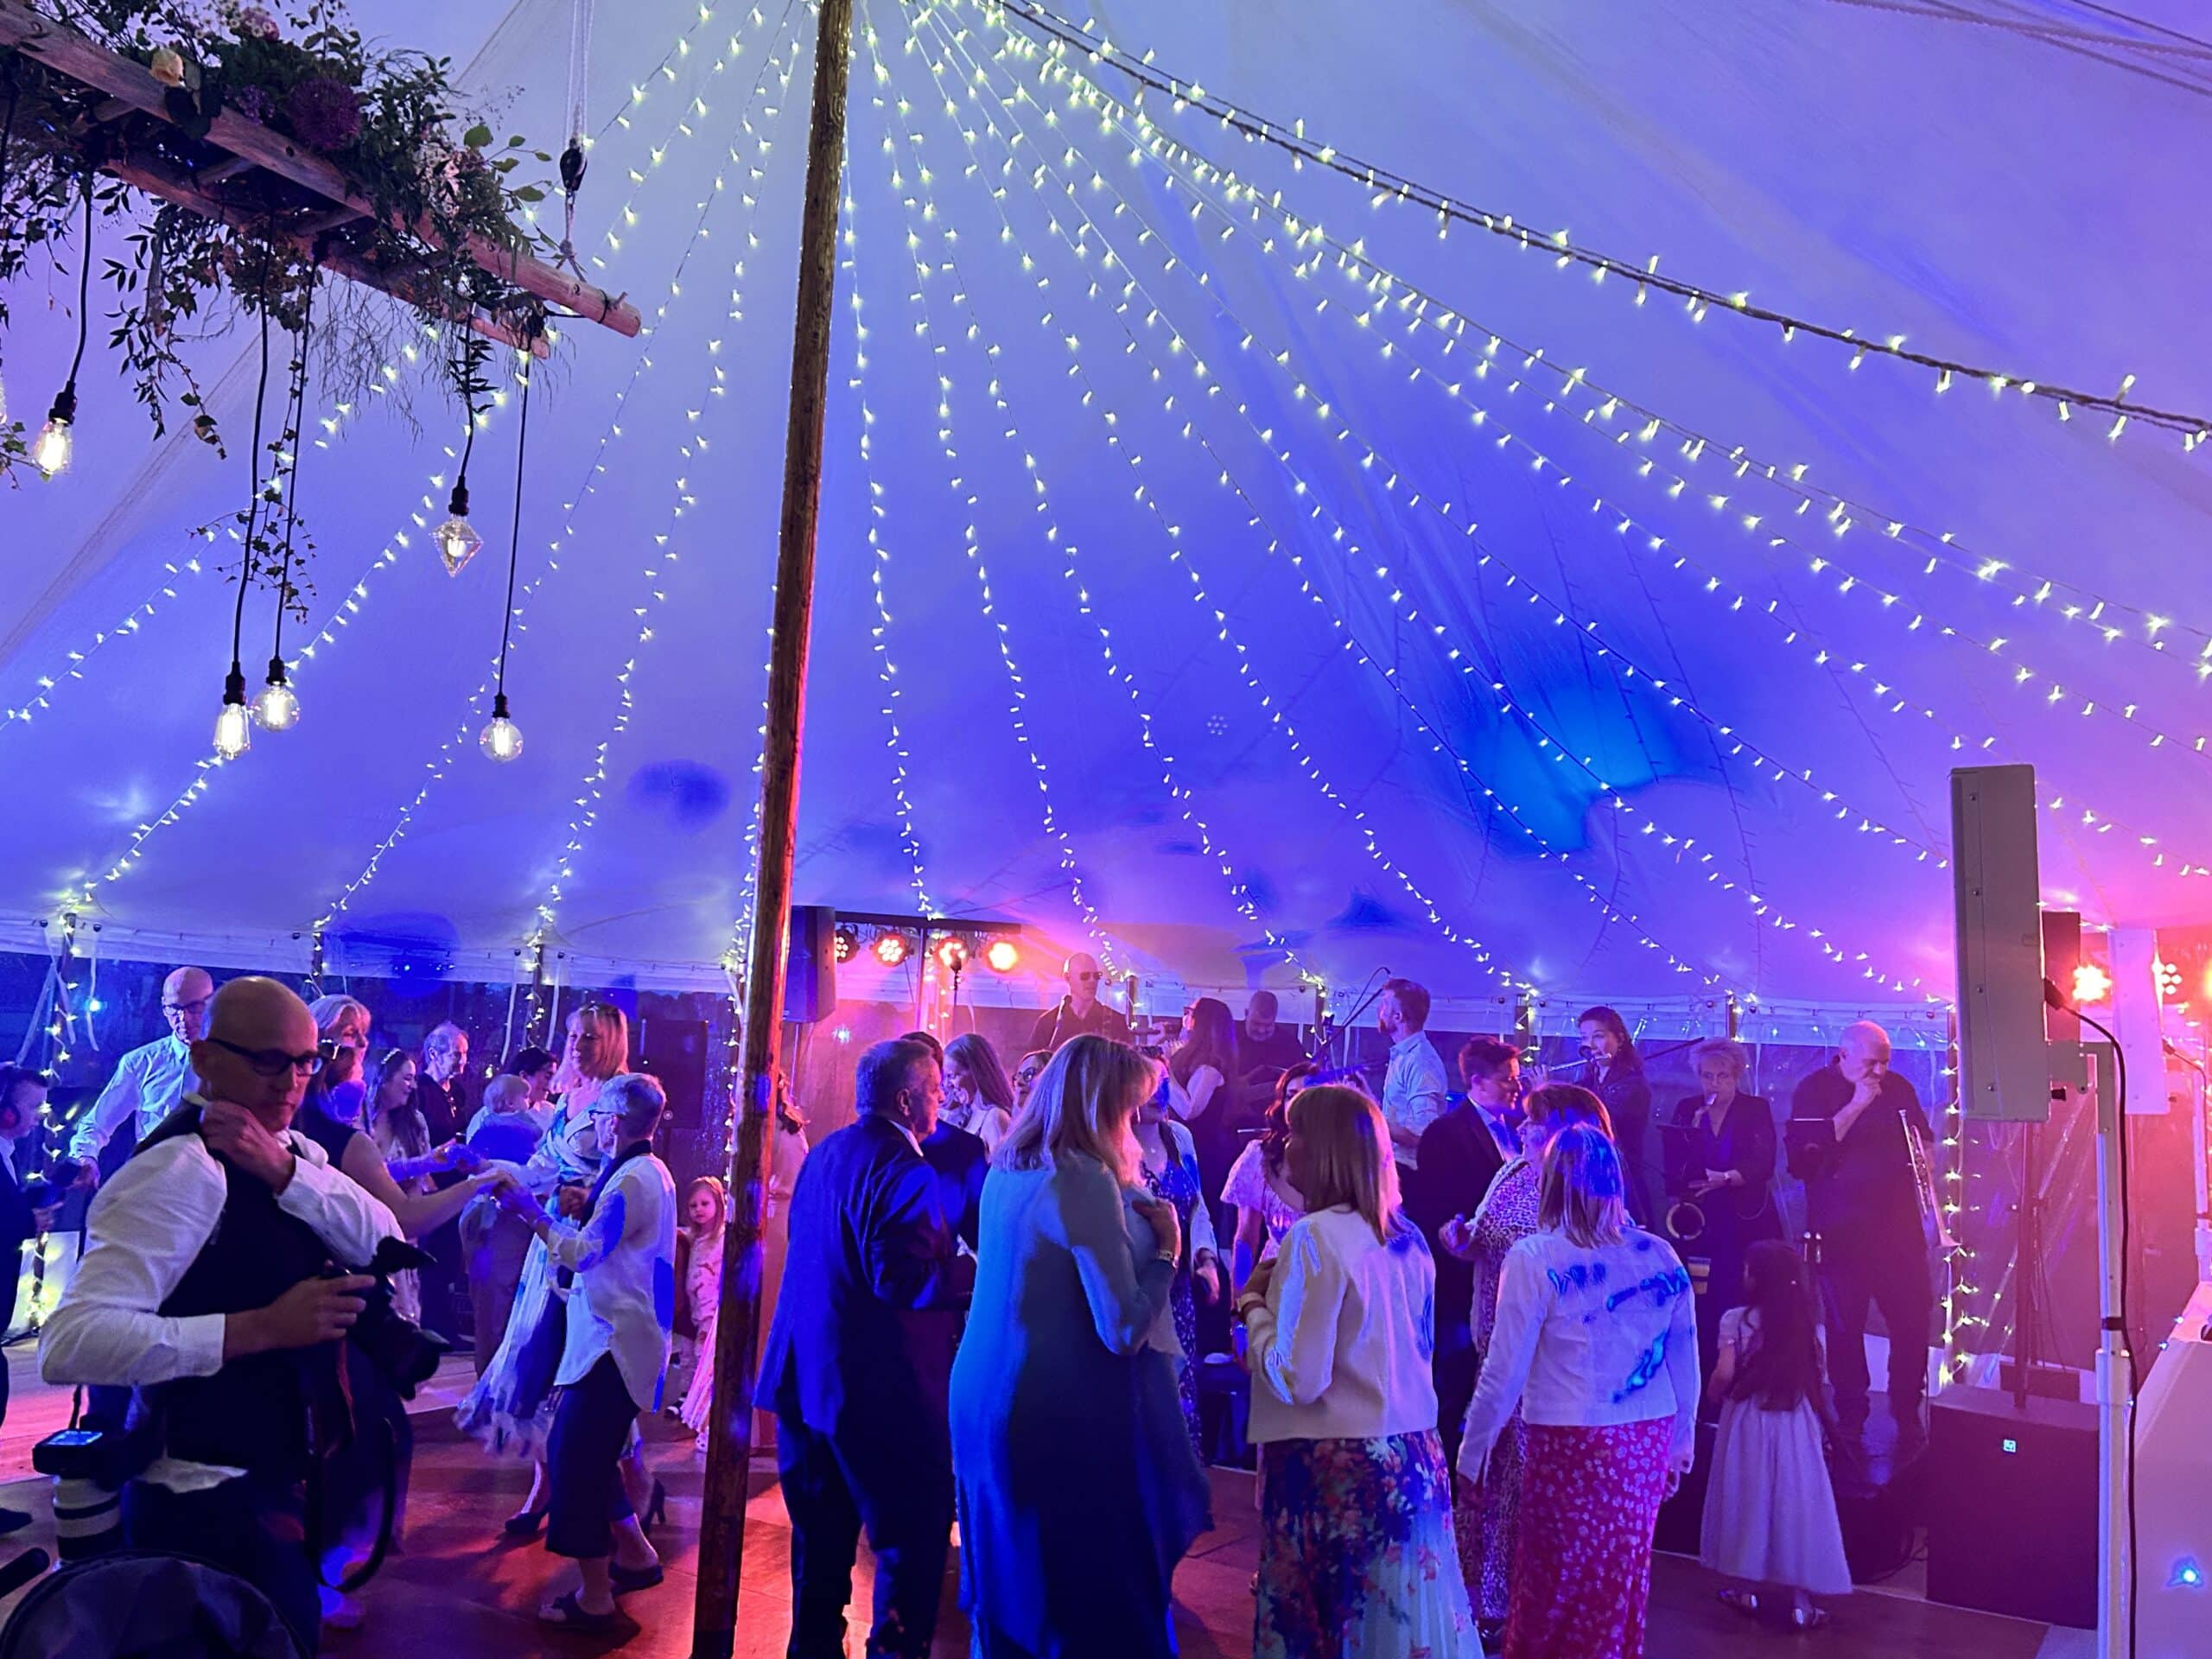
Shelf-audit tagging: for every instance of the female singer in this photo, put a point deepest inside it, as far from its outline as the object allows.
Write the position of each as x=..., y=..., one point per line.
x=1732, y=1150
x=1616, y=1078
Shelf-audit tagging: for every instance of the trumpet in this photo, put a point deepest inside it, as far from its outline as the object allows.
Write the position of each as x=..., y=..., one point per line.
x=1923, y=1186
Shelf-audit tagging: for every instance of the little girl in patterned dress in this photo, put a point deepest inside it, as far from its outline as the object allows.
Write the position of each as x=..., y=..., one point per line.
x=1769, y=1513
x=706, y=1214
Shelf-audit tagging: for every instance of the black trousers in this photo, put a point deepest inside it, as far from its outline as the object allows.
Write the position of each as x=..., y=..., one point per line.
x=1895, y=1280
x=255, y=1527
x=902, y=1494
x=584, y=1455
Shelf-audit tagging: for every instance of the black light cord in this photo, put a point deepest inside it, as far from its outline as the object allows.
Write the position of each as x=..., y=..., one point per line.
x=253, y=503
x=84, y=287
x=298, y=415
x=514, y=543
x=1293, y=139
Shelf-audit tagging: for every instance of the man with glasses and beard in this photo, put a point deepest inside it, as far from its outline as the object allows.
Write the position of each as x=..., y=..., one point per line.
x=1079, y=1014
x=149, y=1081
x=204, y=1286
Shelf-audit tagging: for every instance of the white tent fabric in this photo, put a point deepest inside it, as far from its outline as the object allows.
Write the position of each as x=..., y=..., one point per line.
x=1211, y=622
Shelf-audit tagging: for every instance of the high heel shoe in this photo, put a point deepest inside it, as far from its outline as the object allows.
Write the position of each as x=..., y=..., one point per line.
x=525, y=1523
x=656, y=1508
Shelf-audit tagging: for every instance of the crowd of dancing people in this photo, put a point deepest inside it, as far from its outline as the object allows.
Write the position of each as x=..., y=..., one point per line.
x=1470, y=1358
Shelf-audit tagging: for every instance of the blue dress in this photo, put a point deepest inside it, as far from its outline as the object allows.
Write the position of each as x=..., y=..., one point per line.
x=1078, y=1488
x=507, y=1408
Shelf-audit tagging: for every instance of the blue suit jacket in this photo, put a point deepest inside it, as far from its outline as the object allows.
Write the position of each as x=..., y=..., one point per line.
x=868, y=1314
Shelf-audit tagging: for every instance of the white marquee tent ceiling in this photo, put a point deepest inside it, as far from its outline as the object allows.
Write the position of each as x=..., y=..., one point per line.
x=1180, y=527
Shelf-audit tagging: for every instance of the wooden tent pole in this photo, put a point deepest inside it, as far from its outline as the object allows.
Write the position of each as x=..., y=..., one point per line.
x=722, y=1525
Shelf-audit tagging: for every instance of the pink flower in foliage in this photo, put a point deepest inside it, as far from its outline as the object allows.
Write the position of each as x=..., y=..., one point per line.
x=256, y=23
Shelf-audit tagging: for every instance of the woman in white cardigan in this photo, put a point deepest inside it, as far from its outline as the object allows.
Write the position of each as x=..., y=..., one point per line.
x=1595, y=1337
x=1355, y=1555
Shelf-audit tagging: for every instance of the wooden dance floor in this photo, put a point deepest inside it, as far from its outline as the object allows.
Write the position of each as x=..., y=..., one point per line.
x=457, y=1586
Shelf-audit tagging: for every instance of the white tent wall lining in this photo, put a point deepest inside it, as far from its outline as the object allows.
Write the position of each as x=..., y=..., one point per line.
x=1555, y=821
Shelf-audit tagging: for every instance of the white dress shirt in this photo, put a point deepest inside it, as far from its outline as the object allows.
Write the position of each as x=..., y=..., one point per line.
x=622, y=1301
x=147, y=1226
x=1414, y=1089
x=1588, y=1338
x=1340, y=1346
x=145, y=1088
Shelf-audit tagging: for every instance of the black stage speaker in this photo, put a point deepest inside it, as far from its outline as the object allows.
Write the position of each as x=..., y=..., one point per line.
x=810, y=964
x=673, y=1053
x=2012, y=1506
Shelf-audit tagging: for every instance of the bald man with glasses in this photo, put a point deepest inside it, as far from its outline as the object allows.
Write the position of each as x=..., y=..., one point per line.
x=208, y=1286
x=148, y=1082
x=1079, y=1014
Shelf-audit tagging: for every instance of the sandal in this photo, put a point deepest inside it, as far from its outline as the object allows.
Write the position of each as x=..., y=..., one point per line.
x=569, y=1613
x=1744, y=1601
x=1811, y=1619
x=627, y=1579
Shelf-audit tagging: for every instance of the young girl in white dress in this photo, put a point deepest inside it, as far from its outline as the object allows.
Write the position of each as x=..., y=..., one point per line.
x=1770, y=1512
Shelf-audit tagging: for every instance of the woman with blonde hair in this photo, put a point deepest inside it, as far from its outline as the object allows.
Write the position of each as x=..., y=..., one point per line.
x=1486, y=1512
x=510, y=1407
x=1078, y=1489
x=1355, y=1553
x=1597, y=1340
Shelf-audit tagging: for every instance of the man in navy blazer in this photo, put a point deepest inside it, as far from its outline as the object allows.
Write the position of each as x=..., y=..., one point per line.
x=858, y=1362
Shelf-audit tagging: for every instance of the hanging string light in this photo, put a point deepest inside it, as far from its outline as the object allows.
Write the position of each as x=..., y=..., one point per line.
x=501, y=739
x=456, y=537
x=234, y=724
x=278, y=708
x=7, y=142
x=56, y=445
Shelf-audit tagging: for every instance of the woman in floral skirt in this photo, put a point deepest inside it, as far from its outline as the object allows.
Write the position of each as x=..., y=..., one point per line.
x=1356, y=1554
x=1596, y=1340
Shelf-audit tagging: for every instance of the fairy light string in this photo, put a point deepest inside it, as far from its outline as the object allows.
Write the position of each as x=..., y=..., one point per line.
x=964, y=507
x=1703, y=862
x=879, y=546
x=2044, y=593
x=1068, y=548
x=463, y=738
x=1240, y=655
x=1643, y=277
x=1712, y=586
x=1278, y=545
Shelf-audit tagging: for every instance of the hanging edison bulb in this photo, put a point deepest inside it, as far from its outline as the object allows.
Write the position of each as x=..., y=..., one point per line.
x=501, y=739
x=55, y=447
x=278, y=708
x=457, y=538
x=233, y=726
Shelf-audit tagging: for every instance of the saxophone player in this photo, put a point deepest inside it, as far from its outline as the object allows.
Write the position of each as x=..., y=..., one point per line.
x=1850, y=1124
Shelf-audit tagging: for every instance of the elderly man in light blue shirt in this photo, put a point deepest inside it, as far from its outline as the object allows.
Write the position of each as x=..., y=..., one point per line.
x=1414, y=1089
x=150, y=1081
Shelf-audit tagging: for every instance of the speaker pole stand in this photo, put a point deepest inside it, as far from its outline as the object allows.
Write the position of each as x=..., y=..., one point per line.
x=2115, y=1371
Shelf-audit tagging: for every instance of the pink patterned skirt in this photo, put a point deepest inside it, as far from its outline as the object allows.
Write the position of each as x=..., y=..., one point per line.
x=1582, y=1567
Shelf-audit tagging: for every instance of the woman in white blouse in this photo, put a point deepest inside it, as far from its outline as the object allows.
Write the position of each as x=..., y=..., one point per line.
x=1356, y=1554
x=1595, y=1337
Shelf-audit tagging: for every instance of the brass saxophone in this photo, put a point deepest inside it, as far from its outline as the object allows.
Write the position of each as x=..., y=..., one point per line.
x=1923, y=1186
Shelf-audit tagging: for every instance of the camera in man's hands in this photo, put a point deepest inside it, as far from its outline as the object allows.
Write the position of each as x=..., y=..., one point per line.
x=404, y=1354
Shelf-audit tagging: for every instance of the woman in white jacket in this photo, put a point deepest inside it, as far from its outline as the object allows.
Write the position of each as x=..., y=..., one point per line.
x=1595, y=1337
x=1355, y=1555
